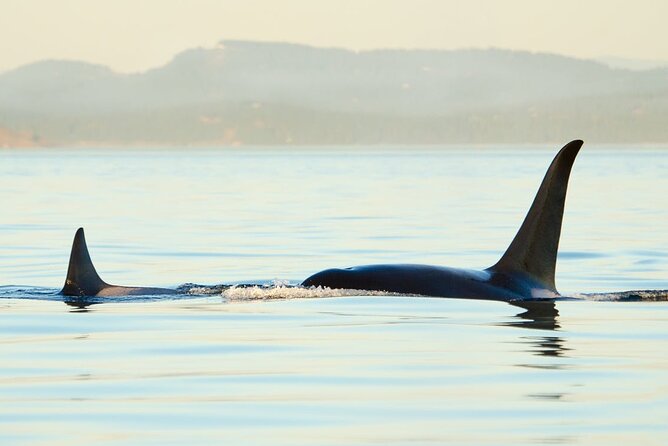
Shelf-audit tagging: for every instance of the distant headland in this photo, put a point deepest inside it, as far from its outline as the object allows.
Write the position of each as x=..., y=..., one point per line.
x=255, y=93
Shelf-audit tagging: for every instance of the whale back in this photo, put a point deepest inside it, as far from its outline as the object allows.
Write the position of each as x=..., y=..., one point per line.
x=82, y=279
x=533, y=251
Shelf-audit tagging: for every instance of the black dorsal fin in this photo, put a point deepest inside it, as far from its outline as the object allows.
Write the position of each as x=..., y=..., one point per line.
x=82, y=279
x=533, y=251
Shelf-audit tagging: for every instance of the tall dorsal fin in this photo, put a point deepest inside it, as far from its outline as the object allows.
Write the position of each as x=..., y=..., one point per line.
x=82, y=279
x=533, y=251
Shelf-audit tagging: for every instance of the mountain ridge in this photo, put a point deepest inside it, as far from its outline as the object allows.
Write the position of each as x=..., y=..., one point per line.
x=273, y=93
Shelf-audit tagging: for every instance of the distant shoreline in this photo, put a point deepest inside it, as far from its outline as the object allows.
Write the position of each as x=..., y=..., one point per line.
x=269, y=94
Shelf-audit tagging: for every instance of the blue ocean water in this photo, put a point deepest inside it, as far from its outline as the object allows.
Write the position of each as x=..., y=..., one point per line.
x=281, y=366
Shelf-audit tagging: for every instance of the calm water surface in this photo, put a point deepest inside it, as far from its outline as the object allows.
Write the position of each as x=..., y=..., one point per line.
x=303, y=368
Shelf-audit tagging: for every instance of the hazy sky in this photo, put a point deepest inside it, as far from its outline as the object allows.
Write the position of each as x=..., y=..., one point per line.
x=133, y=35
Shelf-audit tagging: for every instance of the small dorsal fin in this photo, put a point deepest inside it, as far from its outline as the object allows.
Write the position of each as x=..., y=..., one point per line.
x=533, y=251
x=82, y=279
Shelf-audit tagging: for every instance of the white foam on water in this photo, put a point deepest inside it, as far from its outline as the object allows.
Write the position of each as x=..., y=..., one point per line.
x=626, y=296
x=293, y=292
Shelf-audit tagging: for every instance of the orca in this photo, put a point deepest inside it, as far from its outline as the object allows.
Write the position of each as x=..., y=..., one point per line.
x=524, y=272
x=83, y=281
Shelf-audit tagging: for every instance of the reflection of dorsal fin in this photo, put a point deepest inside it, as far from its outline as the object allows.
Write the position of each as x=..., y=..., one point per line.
x=82, y=279
x=534, y=248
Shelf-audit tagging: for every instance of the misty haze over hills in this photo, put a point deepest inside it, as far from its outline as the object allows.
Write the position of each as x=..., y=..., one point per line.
x=275, y=93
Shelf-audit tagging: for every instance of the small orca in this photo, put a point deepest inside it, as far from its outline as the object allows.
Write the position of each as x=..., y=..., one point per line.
x=525, y=271
x=82, y=279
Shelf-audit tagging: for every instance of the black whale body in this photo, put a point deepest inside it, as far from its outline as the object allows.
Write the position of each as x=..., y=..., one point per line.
x=525, y=271
x=429, y=280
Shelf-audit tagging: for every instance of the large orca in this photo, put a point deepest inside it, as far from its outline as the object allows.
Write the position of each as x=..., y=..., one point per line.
x=82, y=279
x=525, y=271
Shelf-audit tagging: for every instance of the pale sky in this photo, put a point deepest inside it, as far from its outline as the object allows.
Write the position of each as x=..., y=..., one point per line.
x=134, y=35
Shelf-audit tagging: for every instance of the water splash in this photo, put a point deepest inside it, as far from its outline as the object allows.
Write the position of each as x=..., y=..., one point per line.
x=626, y=296
x=274, y=290
x=294, y=292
